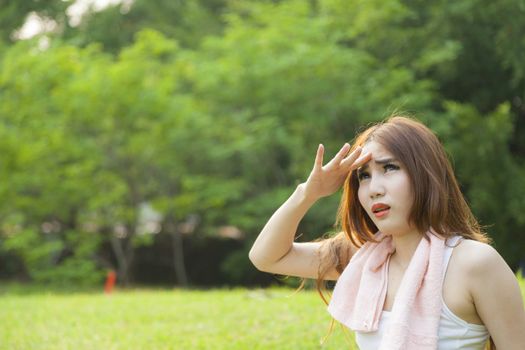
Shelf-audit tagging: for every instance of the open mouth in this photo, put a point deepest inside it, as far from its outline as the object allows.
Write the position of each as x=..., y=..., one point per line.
x=380, y=210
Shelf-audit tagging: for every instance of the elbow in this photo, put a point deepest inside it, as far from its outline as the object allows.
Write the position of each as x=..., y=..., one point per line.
x=256, y=260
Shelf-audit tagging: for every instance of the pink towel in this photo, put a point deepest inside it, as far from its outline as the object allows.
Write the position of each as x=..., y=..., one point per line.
x=360, y=292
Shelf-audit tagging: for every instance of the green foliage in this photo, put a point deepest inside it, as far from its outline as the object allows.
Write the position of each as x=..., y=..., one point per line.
x=238, y=268
x=213, y=109
x=41, y=254
x=13, y=13
x=36, y=251
x=491, y=177
x=116, y=26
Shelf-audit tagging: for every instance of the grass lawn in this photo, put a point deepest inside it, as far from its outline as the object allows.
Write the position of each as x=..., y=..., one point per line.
x=167, y=319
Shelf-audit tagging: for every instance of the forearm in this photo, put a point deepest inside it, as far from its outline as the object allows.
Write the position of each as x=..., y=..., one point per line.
x=277, y=236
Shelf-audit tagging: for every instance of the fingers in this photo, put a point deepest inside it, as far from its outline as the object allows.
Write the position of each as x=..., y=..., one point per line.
x=365, y=158
x=352, y=156
x=319, y=157
x=340, y=155
x=352, y=160
x=356, y=159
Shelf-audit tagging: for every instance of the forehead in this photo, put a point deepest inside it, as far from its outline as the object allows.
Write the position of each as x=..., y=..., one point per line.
x=380, y=155
x=378, y=151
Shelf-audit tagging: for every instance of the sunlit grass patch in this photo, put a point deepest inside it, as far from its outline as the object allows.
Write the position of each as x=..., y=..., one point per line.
x=275, y=318
x=167, y=319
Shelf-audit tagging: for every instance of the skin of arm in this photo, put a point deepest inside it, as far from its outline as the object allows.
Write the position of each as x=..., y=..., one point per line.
x=277, y=236
x=274, y=250
x=497, y=297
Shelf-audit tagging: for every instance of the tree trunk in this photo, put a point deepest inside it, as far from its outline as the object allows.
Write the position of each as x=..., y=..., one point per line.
x=178, y=252
x=178, y=258
x=122, y=261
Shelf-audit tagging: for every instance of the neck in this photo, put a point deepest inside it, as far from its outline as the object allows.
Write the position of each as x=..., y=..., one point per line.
x=406, y=246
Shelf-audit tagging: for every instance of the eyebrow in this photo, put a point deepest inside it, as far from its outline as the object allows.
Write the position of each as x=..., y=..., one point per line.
x=378, y=161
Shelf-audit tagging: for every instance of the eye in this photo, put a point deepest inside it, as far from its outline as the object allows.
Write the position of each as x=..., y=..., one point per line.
x=390, y=166
x=362, y=175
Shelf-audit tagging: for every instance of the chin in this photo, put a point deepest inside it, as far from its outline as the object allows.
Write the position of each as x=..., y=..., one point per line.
x=392, y=231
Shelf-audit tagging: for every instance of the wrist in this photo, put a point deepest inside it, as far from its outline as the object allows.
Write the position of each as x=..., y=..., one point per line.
x=304, y=196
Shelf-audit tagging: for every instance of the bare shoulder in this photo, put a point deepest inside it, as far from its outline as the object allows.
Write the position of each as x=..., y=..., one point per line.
x=478, y=264
x=475, y=256
x=495, y=292
x=481, y=265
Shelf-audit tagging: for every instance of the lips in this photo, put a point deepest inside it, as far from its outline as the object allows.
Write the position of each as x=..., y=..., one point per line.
x=379, y=207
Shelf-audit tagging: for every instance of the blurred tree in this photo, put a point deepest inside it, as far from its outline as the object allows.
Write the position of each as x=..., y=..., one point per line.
x=492, y=179
x=467, y=50
x=213, y=118
x=281, y=83
x=13, y=13
x=99, y=138
x=47, y=171
x=115, y=27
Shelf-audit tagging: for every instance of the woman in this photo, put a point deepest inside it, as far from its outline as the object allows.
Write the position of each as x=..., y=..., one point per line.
x=405, y=228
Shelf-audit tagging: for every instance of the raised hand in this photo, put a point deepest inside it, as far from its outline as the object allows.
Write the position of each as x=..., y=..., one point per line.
x=326, y=180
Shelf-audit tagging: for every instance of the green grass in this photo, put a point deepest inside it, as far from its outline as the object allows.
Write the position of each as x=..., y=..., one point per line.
x=167, y=319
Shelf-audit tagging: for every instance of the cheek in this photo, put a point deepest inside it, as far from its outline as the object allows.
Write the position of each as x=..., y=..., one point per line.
x=361, y=195
x=405, y=192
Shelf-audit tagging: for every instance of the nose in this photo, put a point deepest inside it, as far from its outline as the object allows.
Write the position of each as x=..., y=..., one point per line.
x=376, y=187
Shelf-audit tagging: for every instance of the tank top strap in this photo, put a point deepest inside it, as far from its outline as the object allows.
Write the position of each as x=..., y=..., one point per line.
x=450, y=243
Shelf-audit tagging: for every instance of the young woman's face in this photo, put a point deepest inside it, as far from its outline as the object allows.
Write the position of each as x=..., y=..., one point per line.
x=385, y=191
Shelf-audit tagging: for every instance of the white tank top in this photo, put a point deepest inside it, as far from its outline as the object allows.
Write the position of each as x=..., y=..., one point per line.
x=454, y=333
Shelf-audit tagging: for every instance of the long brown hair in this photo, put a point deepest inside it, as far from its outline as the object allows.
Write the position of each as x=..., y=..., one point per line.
x=438, y=201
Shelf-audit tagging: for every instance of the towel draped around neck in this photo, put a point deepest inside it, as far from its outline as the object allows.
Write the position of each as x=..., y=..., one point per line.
x=359, y=294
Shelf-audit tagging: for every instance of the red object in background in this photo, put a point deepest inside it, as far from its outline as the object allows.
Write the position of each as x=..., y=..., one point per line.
x=111, y=278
